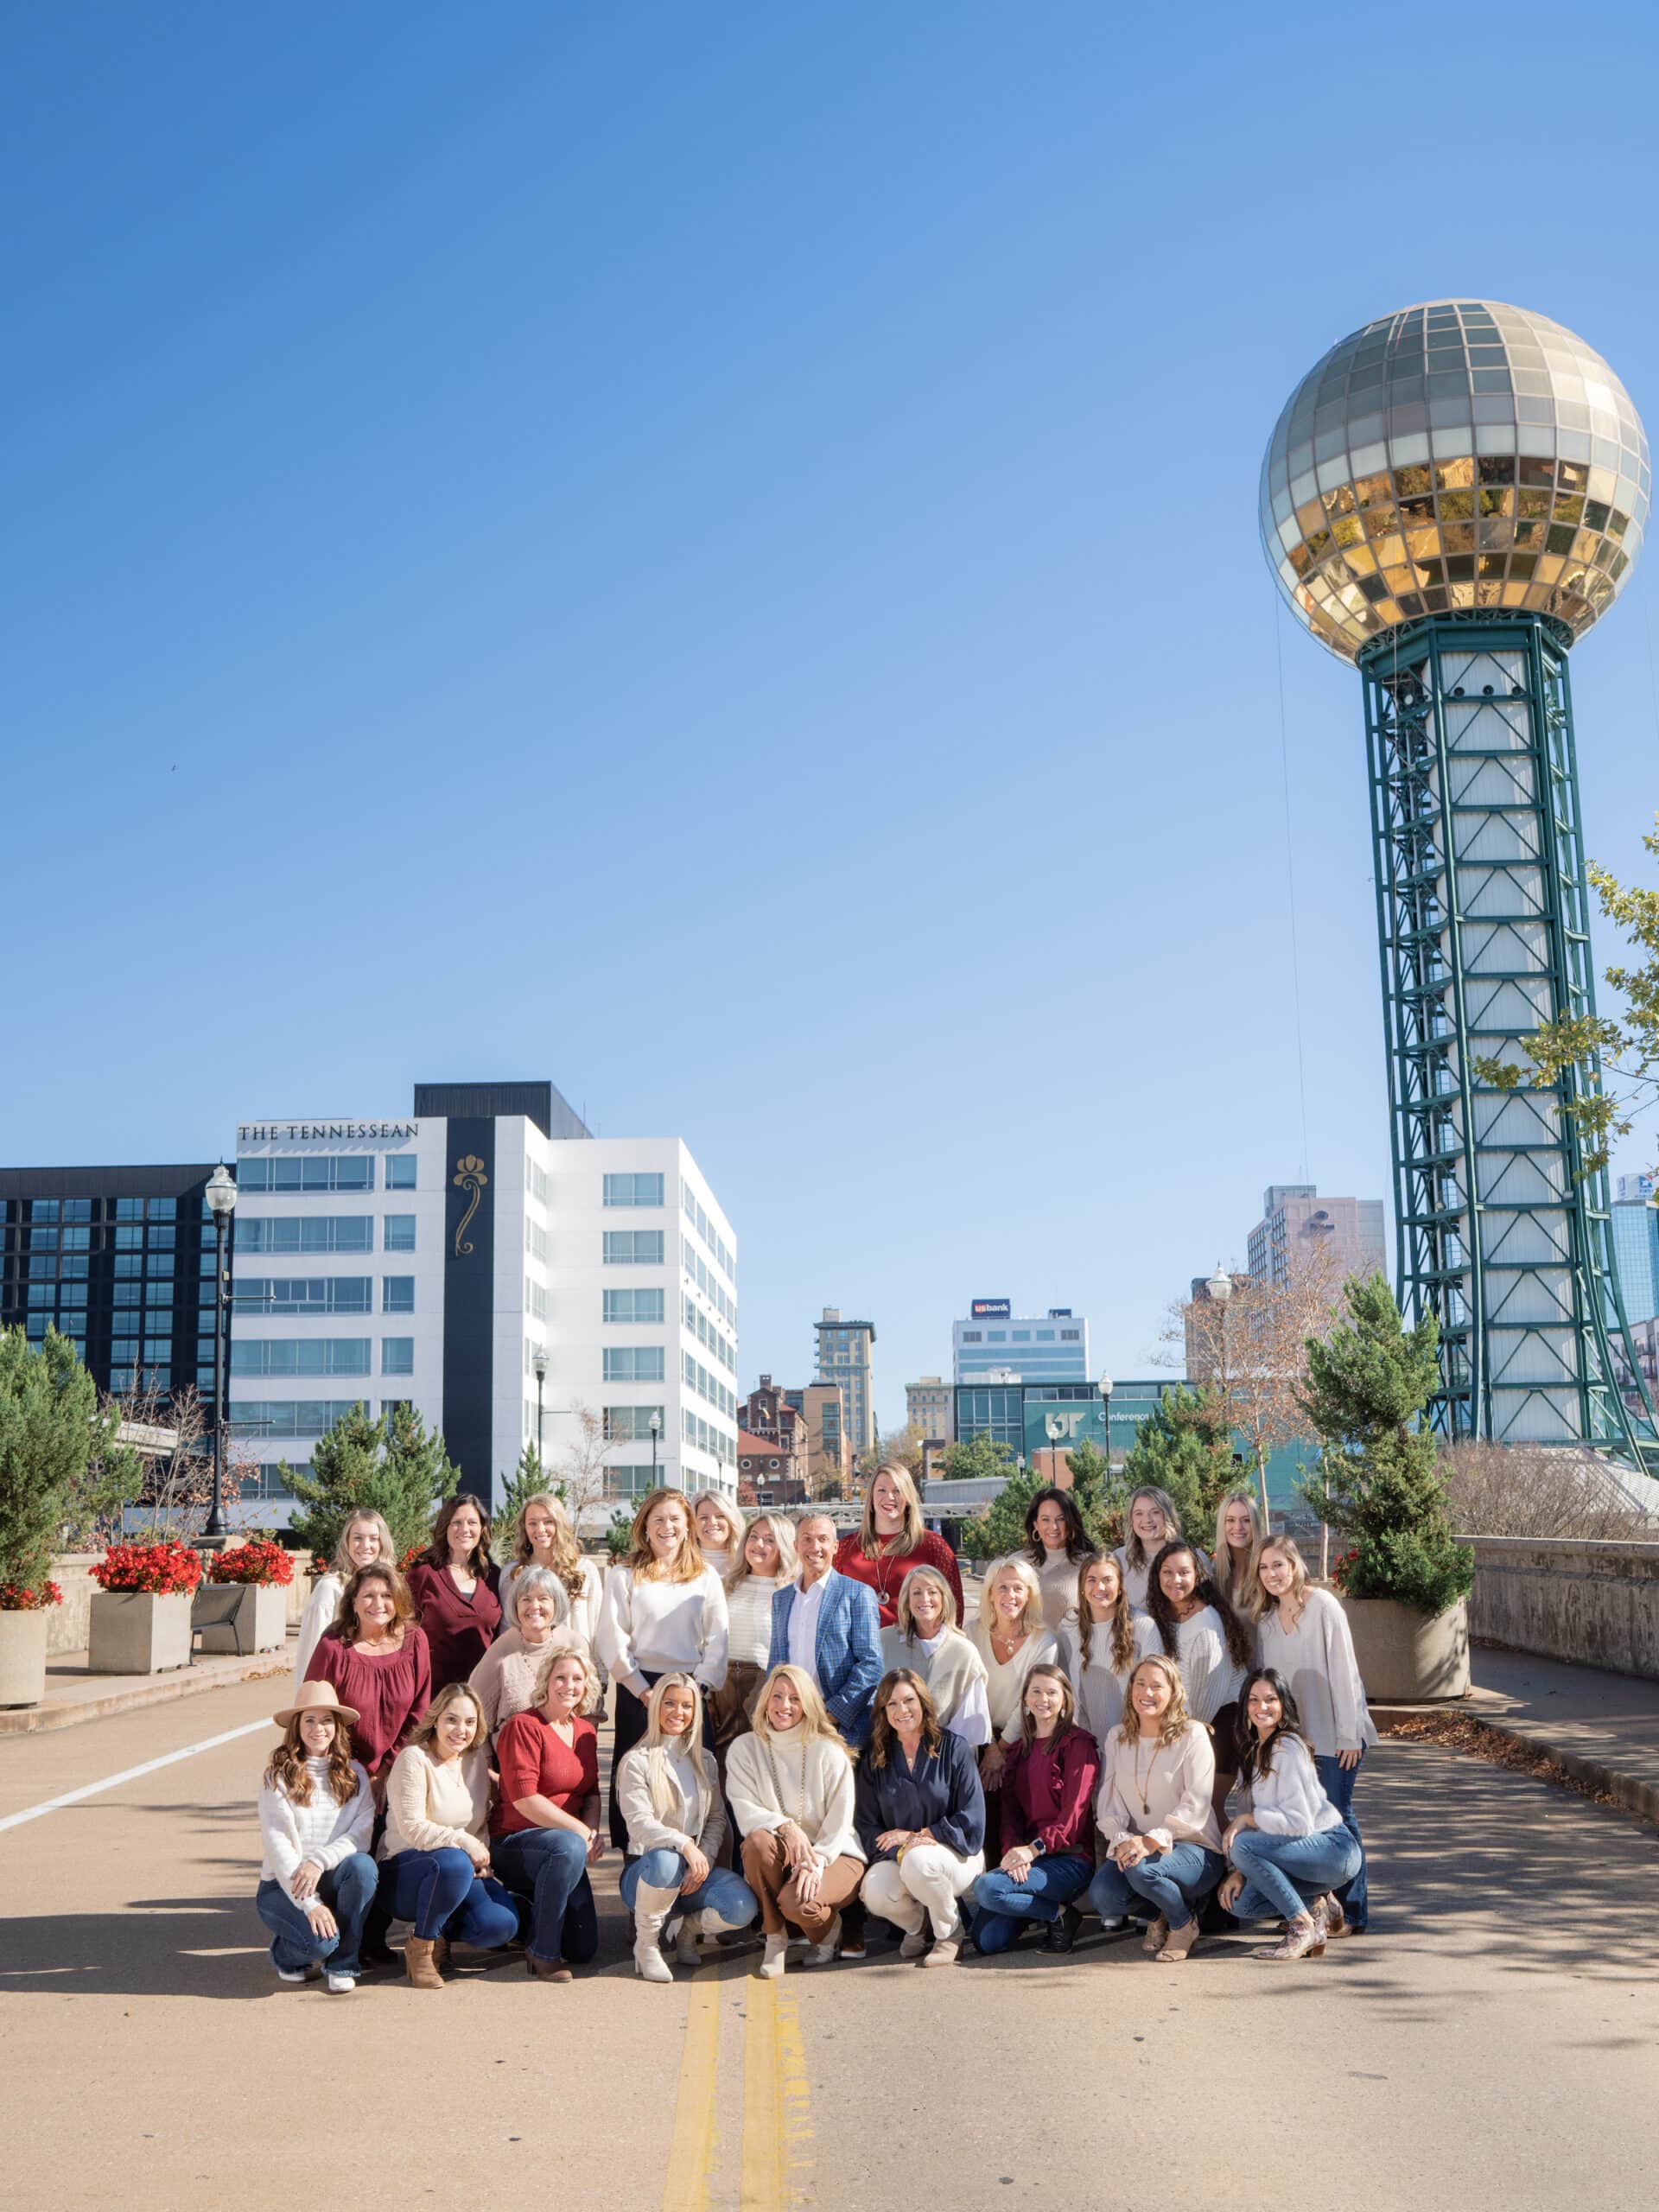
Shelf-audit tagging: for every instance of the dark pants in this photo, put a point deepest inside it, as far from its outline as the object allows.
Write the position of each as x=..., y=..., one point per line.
x=1002, y=1905
x=548, y=1868
x=440, y=1893
x=1353, y=1896
x=348, y=1891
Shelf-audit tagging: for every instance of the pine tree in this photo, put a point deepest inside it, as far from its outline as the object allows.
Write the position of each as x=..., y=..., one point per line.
x=394, y=1467
x=52, y=1434
x=1184, y=1447
x=528, y=1479
x=1366, y=1390
x=1001, y=1528
x=1096, y=1492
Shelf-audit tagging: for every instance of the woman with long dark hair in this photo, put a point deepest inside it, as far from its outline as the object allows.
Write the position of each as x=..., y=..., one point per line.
x=1211, y=1645
x=1056, y=1544
x=316, y=1815
x=455, y=1584
x=920, y=1816
x=1047, y=1845
x=1290, y=1851
x=364, y=1538
x=376, y=1659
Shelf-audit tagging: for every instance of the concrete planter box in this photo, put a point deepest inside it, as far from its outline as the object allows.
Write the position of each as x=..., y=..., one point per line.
x=262, y=1619
x=1407, y=1657
x=23, y=1658
x=133, y=1633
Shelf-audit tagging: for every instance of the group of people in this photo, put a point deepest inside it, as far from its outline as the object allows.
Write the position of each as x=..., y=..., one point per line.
x=804, y=1733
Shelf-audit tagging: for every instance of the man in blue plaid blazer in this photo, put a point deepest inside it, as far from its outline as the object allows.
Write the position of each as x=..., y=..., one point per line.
x=830, y=1626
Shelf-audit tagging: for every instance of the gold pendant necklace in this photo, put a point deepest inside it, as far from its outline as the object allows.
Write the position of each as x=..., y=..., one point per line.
x=1143, y=1787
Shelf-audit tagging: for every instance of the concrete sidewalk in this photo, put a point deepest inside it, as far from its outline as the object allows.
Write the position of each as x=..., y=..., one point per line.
x=1603, y=1728
x=74, y=1693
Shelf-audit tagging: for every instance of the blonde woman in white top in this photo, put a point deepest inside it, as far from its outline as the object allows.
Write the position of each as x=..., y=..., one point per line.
x=435, y=1855
x=1238, y=1540
x=363, y=1539
x=719, y=1531
x=543, y=1537
x=1100, y=1644
x=671, y=1799
x=791, y=1787
x=663, y=1613
x=1158, y=1776
x=316, y=1815
x=1010, y=1637
x=764, y=1564
x=504, y=1678
x=1289, y=1848
x=926, y=1639
x=1304, y=1635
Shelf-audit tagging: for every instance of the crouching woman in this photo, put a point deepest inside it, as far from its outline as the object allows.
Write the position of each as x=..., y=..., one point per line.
x=1155, y=1812
x=1291, y=1850
x=789, y=1782
x=316, y=1814
x=920, y=1815
x=669, y=1791
x=436, y=1868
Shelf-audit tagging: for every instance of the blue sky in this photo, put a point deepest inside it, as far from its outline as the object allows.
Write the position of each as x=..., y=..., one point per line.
x=711, y=553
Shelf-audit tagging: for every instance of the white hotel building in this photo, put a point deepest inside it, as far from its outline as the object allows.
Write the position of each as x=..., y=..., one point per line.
x=430, y=1258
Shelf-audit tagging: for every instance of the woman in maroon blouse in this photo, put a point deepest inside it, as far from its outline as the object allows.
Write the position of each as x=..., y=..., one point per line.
x=375, y=1658
x=455, y=1587
x=1048, y=1835
x=892, y=1539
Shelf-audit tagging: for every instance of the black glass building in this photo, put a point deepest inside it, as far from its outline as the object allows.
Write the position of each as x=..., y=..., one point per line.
x=120, y=1260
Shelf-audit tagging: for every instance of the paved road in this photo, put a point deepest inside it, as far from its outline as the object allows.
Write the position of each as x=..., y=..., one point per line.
x=1492, y=2044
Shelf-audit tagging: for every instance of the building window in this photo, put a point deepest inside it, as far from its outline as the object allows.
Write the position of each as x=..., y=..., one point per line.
x=973, y=1336
x=536, y=1181
x=633, y=1248
x=327, y=1232
x=399, y=1233
x=265, y=1418
x=400, y=1171
x=1071, y=1336
x=631, y=1424
x=290, y=1173
x=631, y=1481
x=633, y=1362
x=633, y=1189
x=299, y=1355
x=396, y=1355
x=397, y=1294
x=303, y=1294
x=535, y=1298
x=536, y=1241
x=635, y=1307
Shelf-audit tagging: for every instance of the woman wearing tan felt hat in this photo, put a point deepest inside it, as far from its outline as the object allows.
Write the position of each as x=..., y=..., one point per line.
x=316, y=1814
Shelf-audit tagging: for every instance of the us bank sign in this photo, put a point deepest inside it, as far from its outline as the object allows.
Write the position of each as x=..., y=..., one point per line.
x=302, y=1132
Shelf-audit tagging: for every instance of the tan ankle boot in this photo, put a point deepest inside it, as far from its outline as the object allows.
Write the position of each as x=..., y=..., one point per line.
x=420, y=1965
x=1180, y=1940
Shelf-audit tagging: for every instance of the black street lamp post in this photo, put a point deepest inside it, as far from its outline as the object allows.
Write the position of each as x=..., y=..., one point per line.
x=221, y=1201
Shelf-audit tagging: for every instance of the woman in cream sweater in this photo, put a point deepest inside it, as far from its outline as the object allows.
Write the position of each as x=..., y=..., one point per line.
x=926, y=1639
x=790, y=1783
x=435, y=1855
x=670, y=1796
x=1158, y=1773
x=1100, y=1643
x=764, y=1562
x=1011, y=1637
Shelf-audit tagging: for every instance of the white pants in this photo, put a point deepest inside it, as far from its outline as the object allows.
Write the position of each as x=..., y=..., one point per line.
x=931, y=1879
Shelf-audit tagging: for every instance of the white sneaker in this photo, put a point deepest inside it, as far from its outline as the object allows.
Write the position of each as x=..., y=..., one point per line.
x=823, y=1954
x=340, y=1984
x=771, y=1963
x=287, y=1973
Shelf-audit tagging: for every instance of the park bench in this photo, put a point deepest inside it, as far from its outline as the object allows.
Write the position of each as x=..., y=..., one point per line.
x=218, y=1606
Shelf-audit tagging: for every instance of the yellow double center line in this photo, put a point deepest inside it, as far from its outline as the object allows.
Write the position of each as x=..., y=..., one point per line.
x=777, y=2106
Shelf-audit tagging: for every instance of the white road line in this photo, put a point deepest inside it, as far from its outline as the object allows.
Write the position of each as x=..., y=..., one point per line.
x=129, y=1774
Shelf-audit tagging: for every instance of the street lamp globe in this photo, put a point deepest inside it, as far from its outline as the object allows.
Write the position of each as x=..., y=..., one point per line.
x=221, y=1192
x=655, y=1424
x=1220, y=1284
x=539, y=1364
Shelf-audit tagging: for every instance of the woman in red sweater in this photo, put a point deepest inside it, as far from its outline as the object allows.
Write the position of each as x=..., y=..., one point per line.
x=545, y=1827
x=375, y=1658
x=455, y=1587
x=892, y=1539
x=1048, y=1842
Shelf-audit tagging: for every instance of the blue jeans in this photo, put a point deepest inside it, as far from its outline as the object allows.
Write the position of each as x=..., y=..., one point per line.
x=348, y=1891
x=439, y=1891
x=1339, y=1781
x=723, y=1892
x=1284, y=1873
x=1002, y=1905
x=1174, y=1882
x=548, y=1868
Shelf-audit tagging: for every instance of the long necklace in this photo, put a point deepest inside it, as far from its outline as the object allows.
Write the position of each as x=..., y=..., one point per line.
x=1144, y=1787
x=777, y=1787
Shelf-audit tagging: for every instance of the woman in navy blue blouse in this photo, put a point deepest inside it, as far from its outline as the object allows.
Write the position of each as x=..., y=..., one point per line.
x=920, y=1816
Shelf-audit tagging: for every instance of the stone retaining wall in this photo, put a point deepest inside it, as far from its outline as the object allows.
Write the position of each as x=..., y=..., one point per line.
x=1594, y=1604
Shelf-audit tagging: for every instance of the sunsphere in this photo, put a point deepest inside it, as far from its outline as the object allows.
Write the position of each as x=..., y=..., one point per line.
x=1457, y=454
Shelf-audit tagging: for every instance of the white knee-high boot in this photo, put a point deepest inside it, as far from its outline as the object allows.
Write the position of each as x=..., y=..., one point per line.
x=651, y=1909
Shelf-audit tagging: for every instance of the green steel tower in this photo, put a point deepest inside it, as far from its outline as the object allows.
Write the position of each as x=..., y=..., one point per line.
x=1451, y=496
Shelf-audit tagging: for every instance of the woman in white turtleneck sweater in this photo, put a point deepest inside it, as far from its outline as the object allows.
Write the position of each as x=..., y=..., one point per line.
x=670, y=1796
x=926, y=1639
x=765, y=1563
x=790, y=1783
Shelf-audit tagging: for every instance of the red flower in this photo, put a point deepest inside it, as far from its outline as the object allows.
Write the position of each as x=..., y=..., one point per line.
x=261, y=1561
x=1342, y=1567
x=413, y=1556
x=18, y=1597
x=156, y=1570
